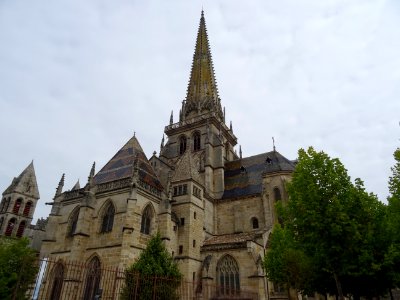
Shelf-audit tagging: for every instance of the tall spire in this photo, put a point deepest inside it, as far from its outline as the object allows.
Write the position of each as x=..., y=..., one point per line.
x=202, y=93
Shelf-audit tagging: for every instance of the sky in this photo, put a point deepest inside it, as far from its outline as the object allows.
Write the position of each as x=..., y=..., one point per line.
x=79, y=78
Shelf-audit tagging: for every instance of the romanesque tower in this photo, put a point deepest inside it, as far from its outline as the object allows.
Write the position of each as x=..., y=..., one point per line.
x=18, y=203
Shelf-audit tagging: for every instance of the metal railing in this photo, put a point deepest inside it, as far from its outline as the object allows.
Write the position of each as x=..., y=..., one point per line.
x=61, y=280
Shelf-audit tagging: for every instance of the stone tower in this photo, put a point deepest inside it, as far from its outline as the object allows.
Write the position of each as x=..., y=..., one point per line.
x=18, y=203
x=191, y=163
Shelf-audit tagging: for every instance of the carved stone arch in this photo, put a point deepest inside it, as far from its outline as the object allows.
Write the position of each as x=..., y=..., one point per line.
x=228, y=276
x=148, y=219
x=106, y=216
x=73, y=221
x=57, y=276
x=92, y=277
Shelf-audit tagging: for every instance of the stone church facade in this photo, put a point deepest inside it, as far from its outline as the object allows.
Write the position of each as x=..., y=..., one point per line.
x=213, y=208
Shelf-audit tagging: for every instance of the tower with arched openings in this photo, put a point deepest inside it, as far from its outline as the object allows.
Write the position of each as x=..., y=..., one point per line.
x=18, y=204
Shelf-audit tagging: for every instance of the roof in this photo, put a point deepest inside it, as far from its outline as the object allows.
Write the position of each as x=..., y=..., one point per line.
x=233, y=238
x=121, y=166
x=25, y=183
x=243, y=177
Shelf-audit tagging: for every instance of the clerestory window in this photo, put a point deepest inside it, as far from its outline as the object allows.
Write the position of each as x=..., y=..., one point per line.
x=108, y=218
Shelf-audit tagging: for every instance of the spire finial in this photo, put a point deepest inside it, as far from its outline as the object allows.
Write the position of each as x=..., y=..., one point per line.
x=273, y=143
x=240, y=151
x=134, y=133
x=171, y=118
x=230, y=127
x=60, y=186
x=91, y=174
x=162, y=143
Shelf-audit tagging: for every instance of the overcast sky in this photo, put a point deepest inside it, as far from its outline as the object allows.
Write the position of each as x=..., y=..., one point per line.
x=78, y=78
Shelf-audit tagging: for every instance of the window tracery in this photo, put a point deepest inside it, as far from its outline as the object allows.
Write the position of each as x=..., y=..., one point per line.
x=228, y=276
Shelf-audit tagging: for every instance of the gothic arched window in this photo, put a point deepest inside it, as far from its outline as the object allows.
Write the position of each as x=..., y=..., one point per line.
x=21, y=229
x=58, y=279
x=92, y=279
x=146, y=220
x=254, y=222
x=1, y=223
x=228, y=276
x=277, y=194
x=182, y=144
x=108, y=218
x=17, y=206
x=73, y=221
x=196, y=141
x=27, y=208
x=10, y=227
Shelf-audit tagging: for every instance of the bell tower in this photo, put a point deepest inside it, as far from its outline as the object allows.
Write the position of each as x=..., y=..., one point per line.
x=18, y=203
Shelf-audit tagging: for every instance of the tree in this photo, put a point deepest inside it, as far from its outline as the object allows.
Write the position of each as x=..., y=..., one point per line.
x=393, y=254
x=337, y=225
x=285, y=263
x=153, y=275
x=18, y=268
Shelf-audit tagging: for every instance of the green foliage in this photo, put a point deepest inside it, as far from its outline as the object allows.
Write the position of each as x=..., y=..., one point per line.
x=285, y=263
x=18, y=268
x=393, y=255
x=154, y=274
x=337, y=227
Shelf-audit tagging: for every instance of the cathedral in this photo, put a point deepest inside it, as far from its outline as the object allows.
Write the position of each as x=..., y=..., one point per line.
x=213, y=208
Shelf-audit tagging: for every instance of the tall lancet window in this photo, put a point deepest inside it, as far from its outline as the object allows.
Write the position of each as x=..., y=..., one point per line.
x=27, y=208
x=228, y=276
x=17, y=206
x=196, y=141
x=182, y=144
x=10, y=227
x=21, y=229
x=146, y=220
x=73, y=222
x=108, y=218
x=92, y=283
x=58, y=279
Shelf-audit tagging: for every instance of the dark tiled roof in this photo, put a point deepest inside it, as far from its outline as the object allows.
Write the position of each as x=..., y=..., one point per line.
x=243, y=177
x=121, y=166
x=231, y=238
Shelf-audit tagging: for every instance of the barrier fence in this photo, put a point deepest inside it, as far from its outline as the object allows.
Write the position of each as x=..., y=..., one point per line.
x=58, y=280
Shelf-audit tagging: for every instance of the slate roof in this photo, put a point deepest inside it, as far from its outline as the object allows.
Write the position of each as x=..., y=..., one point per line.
x=243, y=177
x=121, y=166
